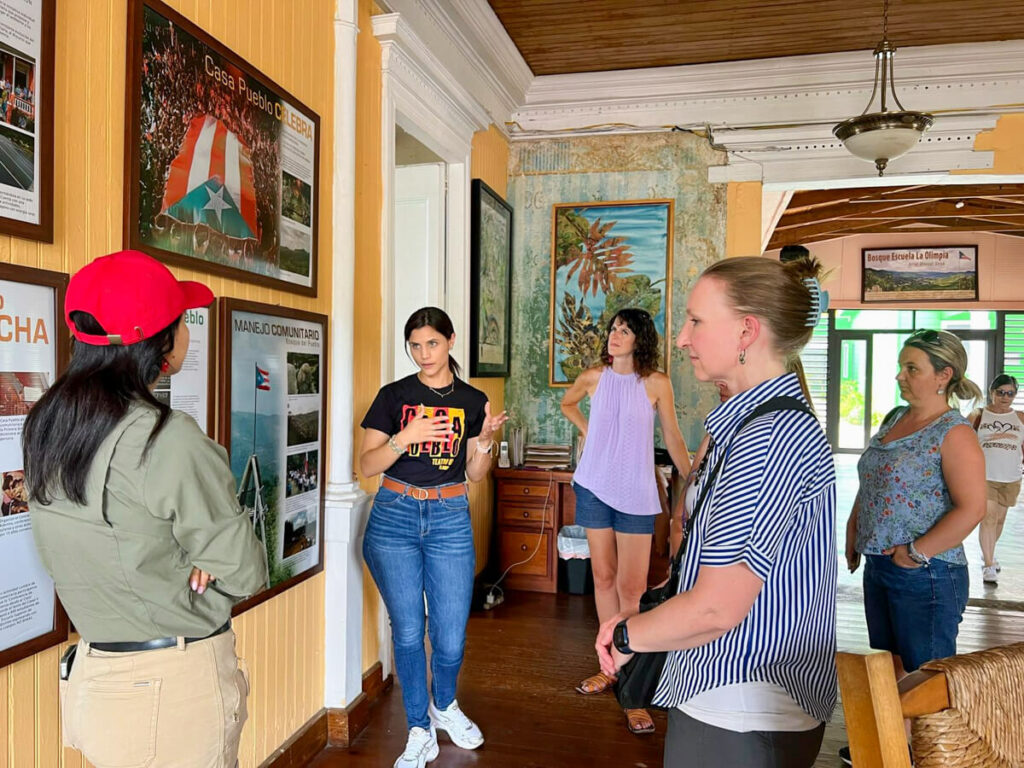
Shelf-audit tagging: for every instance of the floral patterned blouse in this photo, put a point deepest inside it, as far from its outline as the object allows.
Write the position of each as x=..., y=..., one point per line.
x=902, y=490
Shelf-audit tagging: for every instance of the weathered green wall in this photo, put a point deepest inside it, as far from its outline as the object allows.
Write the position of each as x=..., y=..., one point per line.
x=605, y=168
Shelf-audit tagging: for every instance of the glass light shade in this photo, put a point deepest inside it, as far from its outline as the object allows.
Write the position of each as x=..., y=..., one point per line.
x=882, y=136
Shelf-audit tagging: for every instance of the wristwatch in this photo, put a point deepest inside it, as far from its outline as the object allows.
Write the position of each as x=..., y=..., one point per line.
x=916, y=556
x=620, y=638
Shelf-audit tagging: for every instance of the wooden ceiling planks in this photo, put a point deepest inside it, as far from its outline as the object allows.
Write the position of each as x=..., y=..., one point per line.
x=563, y=36
x=825, y=214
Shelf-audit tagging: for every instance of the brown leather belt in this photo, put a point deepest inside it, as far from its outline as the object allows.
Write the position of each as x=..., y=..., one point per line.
x=422, y=494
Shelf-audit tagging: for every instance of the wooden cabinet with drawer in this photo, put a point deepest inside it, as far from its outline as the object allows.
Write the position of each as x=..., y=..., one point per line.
x=531, y=505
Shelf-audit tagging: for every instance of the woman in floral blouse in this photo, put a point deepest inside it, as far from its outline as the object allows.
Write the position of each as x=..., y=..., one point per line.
x=922, y=491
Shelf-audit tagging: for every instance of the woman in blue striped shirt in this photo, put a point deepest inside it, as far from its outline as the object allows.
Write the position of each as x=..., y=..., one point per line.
x=750, y=678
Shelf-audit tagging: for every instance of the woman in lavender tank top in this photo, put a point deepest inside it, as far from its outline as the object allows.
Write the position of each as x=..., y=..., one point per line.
x=615, y=482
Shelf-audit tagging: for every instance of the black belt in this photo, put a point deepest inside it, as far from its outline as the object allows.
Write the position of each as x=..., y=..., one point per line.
x=160, y=642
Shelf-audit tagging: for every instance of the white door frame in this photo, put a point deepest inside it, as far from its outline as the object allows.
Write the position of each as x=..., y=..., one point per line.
x=421, y=95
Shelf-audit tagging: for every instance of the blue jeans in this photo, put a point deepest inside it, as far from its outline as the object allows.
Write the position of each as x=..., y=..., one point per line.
x=591, y=512
x=914, y=612
x=414, y=547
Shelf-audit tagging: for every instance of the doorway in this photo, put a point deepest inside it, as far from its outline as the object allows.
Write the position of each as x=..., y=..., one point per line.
x=864, y=348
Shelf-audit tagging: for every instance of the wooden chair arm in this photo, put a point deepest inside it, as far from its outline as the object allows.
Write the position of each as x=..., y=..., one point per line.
x=923, y=692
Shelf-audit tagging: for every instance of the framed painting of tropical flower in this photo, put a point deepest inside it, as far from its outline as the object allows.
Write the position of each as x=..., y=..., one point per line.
x=606, y=257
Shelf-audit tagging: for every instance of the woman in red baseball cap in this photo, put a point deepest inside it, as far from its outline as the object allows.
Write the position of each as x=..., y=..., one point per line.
x=135, y=518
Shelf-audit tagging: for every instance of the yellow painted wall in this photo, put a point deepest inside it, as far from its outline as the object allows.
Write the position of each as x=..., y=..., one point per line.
x=489, y=162
x=743, y=219
x=1006, y=141
x=367, y=320
x=281, y=639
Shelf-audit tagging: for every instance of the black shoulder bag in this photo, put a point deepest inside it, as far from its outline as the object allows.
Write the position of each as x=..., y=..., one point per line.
x=638, y=678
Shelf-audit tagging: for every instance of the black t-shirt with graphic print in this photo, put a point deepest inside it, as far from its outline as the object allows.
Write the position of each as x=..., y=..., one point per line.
x=428, y=464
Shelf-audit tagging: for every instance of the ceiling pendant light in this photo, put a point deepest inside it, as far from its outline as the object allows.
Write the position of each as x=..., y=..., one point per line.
x=882, y=136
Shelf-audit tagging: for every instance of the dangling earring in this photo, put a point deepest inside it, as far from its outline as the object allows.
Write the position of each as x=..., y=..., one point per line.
x=743, y=357
x=940, y=391
x=165, y=366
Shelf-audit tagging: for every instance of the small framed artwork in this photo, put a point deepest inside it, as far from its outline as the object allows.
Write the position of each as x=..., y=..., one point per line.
x=930, y=273
x=221, y=163
x=27, y=61
x=272, y=423
x=606, y=257
x=34, y=346
x=491, y=284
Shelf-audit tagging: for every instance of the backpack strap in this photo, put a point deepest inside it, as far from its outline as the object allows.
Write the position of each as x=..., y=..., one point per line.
x=780, y=403
x=891, y=416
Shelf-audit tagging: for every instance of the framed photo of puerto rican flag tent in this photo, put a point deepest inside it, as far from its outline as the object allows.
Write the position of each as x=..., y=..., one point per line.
x=221, y=163
x=272, y=422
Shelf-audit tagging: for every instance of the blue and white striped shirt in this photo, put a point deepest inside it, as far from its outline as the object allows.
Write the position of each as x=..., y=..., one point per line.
x=772, y=508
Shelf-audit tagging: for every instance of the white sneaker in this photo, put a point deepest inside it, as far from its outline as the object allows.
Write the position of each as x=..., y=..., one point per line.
x=997, y=566
x=461, y=730
x=989, y=574
x=420, y=749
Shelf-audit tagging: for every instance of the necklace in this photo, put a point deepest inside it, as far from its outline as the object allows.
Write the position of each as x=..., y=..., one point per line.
x=451, y=387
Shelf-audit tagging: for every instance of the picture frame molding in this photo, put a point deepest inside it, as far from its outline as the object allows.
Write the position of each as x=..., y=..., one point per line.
x=44, y=187
x=226, y=307
x=863, y=273
x=132, y=172
x=58, y=281
x=476, y=368
x=669, y=256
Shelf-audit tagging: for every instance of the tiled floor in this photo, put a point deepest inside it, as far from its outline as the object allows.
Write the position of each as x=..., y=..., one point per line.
x=1009, y=594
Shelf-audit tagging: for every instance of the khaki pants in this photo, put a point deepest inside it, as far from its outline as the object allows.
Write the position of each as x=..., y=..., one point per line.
x=179, y=707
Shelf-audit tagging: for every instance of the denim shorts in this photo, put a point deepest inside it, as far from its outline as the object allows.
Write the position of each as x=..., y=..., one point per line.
x=914, y=612
x=591, y=512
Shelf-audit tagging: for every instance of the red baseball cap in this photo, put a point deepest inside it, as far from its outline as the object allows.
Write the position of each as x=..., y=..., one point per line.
x=132, y=295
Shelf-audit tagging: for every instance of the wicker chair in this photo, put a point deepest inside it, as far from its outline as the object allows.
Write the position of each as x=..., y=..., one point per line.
x=966, y=711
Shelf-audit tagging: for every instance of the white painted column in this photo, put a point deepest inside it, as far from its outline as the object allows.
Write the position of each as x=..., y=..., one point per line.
x=346, y=504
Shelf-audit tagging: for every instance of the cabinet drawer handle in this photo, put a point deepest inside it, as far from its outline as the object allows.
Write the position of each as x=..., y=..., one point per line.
x=522, y=547
x=526, y=491
x=526, y=513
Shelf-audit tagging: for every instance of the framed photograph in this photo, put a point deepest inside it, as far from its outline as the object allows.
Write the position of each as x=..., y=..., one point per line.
x=272, y=423
x=34, y=345
x=606, y=257
x=491, y=284
x=27, y=34
x=931, y=273
x=222, y=164
x=191, y=389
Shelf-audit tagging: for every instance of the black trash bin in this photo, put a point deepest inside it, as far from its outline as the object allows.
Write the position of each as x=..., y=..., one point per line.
x=575, y=575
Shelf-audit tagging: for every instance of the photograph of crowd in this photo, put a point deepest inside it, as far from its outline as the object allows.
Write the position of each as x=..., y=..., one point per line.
x=20, y=391
x=302, y=469
x=209, y=156
x=15, y=495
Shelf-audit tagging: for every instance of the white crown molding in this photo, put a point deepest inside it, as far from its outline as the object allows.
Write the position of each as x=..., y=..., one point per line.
x=774, y=117
x=469, y=40
x=423, y=88
x=823, y=88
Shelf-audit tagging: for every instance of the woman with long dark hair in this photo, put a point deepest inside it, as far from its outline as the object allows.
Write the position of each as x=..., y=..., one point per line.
x=426, y=434
x=615, y=482
x=135, y=518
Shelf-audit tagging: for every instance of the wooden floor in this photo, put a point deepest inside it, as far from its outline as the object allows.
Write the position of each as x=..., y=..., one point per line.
x=522, y=661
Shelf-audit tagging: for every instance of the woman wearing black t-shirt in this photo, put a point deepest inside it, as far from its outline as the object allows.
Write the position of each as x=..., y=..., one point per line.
x=427, y=433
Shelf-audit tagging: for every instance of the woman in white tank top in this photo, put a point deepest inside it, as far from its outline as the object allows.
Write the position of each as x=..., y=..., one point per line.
x=1001, y=433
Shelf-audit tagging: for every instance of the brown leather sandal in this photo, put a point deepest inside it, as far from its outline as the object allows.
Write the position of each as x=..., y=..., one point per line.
x=639, y=721
x=594, y=684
